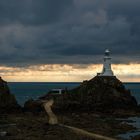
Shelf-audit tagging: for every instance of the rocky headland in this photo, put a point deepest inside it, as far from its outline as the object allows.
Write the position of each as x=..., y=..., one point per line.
x=8, y=103
x=104, y=94
x=93, y=106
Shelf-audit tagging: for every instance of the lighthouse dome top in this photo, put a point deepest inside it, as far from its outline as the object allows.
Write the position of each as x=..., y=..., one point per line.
x=107, y=52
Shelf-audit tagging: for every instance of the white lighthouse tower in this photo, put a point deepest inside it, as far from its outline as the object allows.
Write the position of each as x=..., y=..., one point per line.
x=107, y=71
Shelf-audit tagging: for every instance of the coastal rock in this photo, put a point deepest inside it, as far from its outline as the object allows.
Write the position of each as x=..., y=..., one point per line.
x=32, y=106
x=102, y=93
x=106, y=92
x=138, y=107
x=8, y=103
x=4, y=89
x=136, y=137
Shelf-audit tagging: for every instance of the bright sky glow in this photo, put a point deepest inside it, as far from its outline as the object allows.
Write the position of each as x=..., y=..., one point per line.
x=67, y=73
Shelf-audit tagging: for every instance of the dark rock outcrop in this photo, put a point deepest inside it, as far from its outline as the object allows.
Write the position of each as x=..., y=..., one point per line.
x=104, y=94
x=8, y=103
x=33, y=106
x=100, y=94
x=136, y=137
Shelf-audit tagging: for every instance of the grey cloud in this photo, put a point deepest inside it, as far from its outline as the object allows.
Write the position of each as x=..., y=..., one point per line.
x=32, y=11
x=68, y=31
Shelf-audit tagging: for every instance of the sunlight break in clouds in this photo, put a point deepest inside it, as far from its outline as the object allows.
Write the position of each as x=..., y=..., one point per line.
x=67, y=73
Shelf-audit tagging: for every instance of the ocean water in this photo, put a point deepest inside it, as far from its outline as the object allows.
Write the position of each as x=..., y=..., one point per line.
x=27, y=90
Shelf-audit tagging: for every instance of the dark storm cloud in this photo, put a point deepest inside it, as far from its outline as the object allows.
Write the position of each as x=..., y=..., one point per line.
x=32, y=11
x=68, y=31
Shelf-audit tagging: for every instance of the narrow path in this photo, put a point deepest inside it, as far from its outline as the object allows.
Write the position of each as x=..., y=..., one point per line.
x=86, y=133
x=53, y=120
x=52, y=117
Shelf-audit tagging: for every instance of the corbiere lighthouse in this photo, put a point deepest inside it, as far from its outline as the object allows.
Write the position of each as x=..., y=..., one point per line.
x=107, y=71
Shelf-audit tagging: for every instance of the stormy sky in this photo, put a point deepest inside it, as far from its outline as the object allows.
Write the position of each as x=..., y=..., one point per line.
x=68, y=32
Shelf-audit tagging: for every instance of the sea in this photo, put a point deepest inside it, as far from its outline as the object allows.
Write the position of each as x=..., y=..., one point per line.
x=24, y=91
